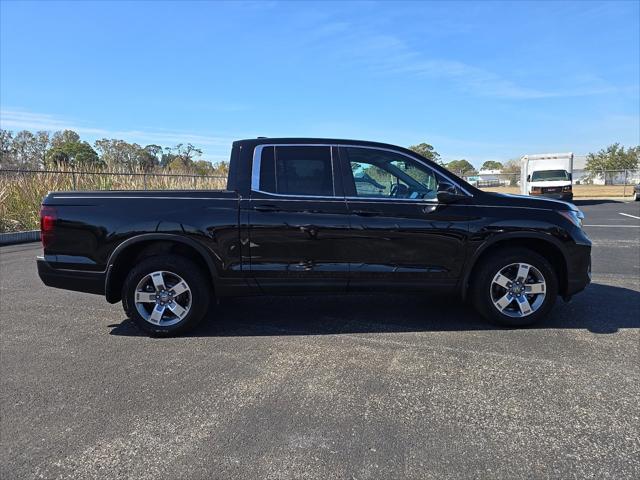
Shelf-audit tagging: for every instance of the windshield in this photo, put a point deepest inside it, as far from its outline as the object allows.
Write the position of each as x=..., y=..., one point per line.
x=549, y=175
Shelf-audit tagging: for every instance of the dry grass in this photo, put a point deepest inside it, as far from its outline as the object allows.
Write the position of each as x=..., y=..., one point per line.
x=581, y=191
x=21, y=194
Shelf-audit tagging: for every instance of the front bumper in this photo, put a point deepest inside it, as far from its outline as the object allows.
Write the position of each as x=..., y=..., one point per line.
x=566, y=196
x=578, y=267
x=78, y=280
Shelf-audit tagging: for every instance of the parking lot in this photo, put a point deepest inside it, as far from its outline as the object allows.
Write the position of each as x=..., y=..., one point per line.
x=331, y=387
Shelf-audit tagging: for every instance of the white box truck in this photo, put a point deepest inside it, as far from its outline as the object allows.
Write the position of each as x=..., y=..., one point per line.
x=547, y=174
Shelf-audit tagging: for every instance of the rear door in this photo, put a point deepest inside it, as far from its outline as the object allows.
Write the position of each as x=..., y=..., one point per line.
x=298, y=219
x=401, y=237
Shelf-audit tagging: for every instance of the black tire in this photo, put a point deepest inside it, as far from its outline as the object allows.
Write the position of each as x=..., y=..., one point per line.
x=200, y=293
x=482, y=280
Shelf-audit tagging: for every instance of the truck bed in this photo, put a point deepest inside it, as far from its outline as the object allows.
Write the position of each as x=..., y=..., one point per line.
x=91, y=225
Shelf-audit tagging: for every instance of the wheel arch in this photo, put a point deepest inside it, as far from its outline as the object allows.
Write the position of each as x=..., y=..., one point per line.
x=550, y=248
x=141, y=246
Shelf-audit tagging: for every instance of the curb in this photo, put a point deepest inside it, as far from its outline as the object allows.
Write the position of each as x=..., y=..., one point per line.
x=19, y=237
x=610, y=199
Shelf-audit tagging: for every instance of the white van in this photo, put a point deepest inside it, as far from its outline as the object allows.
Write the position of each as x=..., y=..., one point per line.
x=547, y=174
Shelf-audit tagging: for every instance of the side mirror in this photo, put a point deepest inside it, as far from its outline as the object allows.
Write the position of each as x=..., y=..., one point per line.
x=447, y=193
x=528, y=178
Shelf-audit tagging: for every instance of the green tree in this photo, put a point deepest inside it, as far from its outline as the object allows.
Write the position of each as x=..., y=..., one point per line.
x=203, y=167
x=155, y=150
x=167, y=157
x=180, y=165
x=82, y=154
x=427, y=151
x=56, y=156
x=491, y=165
x=460, y=167
x=151, y=157
x=147, y=161
x=75, y=154
x=613, y=157
x=66, y=136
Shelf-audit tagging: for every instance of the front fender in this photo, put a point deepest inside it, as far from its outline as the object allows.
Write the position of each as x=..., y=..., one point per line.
x=506, y=238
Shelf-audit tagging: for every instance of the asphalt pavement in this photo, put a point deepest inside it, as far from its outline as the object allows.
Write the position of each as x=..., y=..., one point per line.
x=358, y=387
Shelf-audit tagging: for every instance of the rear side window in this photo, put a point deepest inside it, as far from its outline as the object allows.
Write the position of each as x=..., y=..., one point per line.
x=293, y=170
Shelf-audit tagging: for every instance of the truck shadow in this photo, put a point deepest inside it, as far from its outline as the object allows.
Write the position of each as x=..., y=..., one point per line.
x=595, y=201
x=600, y=309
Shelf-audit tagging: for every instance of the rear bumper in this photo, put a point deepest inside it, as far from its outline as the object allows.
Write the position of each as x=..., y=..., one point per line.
x=78, y=280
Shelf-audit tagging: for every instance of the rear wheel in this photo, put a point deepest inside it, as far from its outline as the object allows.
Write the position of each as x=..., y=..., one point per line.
x=516, y=287
x=166, y=295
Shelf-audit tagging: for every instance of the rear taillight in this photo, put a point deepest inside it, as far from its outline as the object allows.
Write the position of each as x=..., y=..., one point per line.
x=48, y=217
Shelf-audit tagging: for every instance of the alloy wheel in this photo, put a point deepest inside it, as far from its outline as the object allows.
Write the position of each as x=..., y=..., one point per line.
x=518, y=290
x=163, y=298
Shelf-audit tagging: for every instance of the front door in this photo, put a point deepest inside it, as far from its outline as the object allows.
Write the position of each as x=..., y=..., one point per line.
x=298, y=219
x=401, y=237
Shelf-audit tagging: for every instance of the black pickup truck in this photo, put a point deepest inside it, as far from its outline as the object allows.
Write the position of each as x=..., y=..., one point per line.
x=310, y=216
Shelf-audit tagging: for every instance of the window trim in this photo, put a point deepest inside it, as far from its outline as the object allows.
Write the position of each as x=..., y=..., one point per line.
x=256, y=165
x=257, y=158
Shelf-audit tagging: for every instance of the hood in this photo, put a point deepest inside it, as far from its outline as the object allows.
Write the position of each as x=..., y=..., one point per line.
x=510, y=200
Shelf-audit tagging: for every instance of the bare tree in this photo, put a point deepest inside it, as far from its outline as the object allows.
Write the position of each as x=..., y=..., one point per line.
x=7, y=158
x=29, y=149
x=117, y=153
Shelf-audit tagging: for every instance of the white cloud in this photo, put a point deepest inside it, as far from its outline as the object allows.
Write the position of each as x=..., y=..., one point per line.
x=12, y=119
x=386, y=54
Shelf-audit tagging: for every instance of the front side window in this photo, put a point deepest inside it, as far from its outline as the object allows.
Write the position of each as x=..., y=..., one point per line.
x=296, y=170
x=382, y=174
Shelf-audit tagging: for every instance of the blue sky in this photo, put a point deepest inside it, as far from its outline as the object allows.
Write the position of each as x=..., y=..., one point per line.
x=478, y=80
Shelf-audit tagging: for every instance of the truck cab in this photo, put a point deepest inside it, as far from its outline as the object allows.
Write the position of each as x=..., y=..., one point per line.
x=548, y=175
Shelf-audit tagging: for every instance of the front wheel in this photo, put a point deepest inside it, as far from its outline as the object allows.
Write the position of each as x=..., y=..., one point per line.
x=516, y=287
x=166, y=295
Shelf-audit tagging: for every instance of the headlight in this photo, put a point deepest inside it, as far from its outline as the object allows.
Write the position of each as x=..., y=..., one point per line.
x=574, y=216
x=566, y=188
